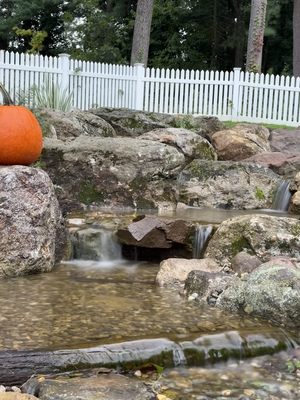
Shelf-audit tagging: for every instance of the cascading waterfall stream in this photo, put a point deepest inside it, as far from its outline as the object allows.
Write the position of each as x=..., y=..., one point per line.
x=202, y=234
x=96, y=246
x=282, y=197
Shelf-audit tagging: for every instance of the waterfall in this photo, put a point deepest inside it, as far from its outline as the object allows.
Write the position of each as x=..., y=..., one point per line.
x=96, y=244
x=282, y=197
x=202, y=234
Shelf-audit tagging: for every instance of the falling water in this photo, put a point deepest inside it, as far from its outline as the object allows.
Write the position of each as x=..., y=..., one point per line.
x=96, y=244
x=202, y=234
x=282, y=197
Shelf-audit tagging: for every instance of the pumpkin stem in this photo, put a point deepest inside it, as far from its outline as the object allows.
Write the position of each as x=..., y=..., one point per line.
x=7, y=101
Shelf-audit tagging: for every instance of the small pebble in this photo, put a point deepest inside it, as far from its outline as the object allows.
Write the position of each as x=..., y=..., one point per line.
x=2, y=389
x=193, y=296
x=249, y=392
x=226, y=393
x=138, y=373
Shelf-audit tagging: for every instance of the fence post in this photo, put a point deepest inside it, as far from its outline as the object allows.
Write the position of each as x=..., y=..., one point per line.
x=64, y=65
x=139, y=91
x=236, y=91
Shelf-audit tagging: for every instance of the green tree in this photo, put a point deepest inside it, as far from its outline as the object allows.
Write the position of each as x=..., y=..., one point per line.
x=35, y=15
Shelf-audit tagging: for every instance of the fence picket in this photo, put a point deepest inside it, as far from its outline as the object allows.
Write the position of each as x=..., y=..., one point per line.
x=296, y=116
x=227, y=95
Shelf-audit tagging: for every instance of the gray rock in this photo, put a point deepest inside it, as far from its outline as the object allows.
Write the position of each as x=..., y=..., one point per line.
x=244, y=263
x=134, y=123
x=272, y=291
x=188, y=142
x=16, y=396
x=111, y=171
x=100, y=387
x=153, y=232
x=227, y=185
x=295, y=200
x=285, y=164
x=241, y=142
x=264, y=236
x=69, y=125
x=32, y=228
x=175, y=270
x=285, y=140
x=207, y=285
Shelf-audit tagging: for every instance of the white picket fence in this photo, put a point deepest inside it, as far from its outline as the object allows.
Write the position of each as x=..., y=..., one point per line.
x=234, y=95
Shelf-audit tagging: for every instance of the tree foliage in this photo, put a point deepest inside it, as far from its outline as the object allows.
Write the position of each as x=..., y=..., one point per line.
x=198, y=34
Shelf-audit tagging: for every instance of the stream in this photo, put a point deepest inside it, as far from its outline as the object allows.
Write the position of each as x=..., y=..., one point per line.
x=85, y=303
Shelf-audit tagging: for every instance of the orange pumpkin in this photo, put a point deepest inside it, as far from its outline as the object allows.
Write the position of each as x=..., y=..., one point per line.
x=20, y=133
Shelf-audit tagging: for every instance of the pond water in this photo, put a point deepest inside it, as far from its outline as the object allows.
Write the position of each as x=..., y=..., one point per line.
x=84, y=303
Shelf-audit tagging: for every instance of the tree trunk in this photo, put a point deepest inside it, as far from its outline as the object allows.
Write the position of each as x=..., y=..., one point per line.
x=18, y=366
x=256, y=35
x=213, y=60
x=239, y=34
x=296, y=38
x=141, y=34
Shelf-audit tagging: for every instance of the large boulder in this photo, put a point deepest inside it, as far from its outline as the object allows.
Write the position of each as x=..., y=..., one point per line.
x=69, y=125
x=111, y=171
x=134, y=123
x=285, y=140
x=152, y=232
x=241, y=142
x=295, y=201
x=188, y=142
x=174, y=271
x=264, y=236
x=272, y=291
x=223, y=184
x=285, y=164
x=157, y=238
x=32, y=228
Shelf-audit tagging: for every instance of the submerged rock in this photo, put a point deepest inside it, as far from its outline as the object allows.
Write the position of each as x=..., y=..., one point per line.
x=264, y=236
x=223, y=184
x=241, y=142
x=175, y=270
x=272, y=291
x=206, y=286
x=16, y=396
x=32, y=229
x=108, y=386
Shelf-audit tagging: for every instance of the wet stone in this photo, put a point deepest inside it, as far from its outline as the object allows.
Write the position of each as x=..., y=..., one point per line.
x=102, y=387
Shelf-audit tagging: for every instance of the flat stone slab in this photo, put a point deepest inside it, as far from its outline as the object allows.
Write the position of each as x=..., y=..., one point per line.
x=101, y=387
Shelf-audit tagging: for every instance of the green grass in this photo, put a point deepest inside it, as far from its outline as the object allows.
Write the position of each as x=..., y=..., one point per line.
x=231, y=124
